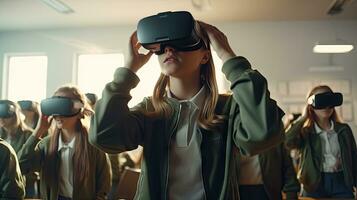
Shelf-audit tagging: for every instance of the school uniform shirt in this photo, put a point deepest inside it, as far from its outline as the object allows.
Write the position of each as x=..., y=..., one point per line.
x=66, y=167
x=331, y=152
x=97, y=185
x=12, y=185
x=185, y=163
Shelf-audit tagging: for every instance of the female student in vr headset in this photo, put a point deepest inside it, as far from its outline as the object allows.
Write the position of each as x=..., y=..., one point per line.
x=70, y=167
x=186, y=128
x=14, y=130
x=31, y=111
x=12, y=185
x=328, y=166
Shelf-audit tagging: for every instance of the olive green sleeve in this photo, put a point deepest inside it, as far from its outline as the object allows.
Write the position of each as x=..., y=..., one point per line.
x=291, y=185
x=103, y=176
x=30, y=155
x=12, y=185
x=257, y=118
x=293, y=137
x=114, y=127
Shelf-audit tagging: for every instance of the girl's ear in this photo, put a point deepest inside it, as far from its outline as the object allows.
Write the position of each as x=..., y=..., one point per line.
x=205, y=57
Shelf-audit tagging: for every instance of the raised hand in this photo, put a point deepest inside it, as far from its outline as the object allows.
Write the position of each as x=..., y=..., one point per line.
x=136, y=60
x=44, y=123
x=218, y=41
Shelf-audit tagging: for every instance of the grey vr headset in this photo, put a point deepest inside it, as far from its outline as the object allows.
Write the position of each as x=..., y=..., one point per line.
x=26, y=105
x=174, y=29
x=92, y=97
x=325, y=100
x=59, y=106
x=6, y=109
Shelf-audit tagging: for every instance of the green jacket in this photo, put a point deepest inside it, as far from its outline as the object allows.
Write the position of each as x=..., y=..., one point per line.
x=17, y=143
x=19, y=140
x=277, y=172
x=32, y=157
x=311, y=154
x=253, y=125
x=12, y=186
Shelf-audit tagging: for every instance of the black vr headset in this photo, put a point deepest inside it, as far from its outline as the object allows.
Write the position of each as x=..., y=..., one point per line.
x=92, y=97
x=325, y=100
x=6, y=109
x=26, y=105
x=174, y=29
x=59, y=106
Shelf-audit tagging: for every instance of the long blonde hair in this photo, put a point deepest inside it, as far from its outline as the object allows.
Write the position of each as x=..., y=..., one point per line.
x=207, y=118
x=309, y=110
x=81, y=151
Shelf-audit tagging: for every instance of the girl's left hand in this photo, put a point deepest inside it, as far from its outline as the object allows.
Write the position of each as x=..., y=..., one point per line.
x=218, y=41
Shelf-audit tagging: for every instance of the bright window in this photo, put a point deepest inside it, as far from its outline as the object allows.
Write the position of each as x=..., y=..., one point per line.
x=148, y=75
x=26, y=78
x=96, y=70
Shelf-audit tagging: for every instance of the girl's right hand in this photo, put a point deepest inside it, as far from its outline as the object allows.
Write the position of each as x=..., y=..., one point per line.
x=136, y=60
x=43, y=124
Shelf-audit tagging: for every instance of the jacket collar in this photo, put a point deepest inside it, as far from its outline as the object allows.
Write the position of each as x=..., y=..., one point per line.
x=318, y=130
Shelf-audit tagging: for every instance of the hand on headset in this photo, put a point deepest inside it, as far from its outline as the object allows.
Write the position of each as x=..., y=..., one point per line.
x=43, y=124
x=218, y=41
x=135, y=59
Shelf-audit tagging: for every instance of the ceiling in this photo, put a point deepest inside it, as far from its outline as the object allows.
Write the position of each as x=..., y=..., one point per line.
x=34, y=14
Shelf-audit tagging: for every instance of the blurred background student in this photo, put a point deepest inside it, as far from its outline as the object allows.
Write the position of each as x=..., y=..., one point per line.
x=70, y=167
x=328, y=166
x=12, y=185
x=31, y=111
x=14, y=130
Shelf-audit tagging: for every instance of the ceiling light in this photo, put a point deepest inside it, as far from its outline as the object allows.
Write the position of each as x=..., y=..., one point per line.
x=59, y=6
x=338, y=46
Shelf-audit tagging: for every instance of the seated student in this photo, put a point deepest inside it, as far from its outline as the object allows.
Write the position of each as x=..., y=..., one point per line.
x=187, y=130
x=328, y=167
x=31, y=111
x=70, y=167
x=266, y=176
x=12, y=185
x=14, y=130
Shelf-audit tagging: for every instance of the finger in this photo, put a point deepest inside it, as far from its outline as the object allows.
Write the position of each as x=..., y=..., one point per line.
x=50, y=119
x=132, y=43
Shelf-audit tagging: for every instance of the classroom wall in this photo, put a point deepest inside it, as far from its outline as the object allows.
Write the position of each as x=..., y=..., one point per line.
x=282, y=51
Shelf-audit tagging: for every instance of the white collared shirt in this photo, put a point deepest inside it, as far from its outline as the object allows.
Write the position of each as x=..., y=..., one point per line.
x=331, y=152
x=185, y=162
x=66, y=167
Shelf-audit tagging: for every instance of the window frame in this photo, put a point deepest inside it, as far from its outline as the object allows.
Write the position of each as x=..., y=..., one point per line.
x=6, y=70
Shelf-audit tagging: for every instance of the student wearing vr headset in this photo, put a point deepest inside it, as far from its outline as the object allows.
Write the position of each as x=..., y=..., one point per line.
x=186, y=128
x=14, y=130
x=328, y=166
x=12, y=185
x=70, y=167
x=31, y=111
